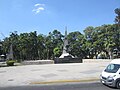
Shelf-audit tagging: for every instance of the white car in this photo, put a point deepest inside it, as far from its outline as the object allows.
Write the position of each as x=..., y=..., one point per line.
x=111, y=74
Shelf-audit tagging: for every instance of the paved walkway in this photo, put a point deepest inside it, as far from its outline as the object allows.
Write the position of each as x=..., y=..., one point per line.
x=50, y=73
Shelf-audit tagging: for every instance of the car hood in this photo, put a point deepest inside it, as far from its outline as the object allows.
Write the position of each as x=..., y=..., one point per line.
x=106, y=74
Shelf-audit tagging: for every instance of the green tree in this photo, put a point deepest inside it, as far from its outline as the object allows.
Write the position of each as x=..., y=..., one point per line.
x=57, y=52
x=117, y=18
x=76, y=41
x=24, y=46
x=117, y=28
x=41, y=47
x=53, y=40
x=33, y=45
x=89, y=31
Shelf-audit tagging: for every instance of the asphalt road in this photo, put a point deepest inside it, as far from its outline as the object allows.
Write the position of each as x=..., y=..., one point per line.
x=70, y=86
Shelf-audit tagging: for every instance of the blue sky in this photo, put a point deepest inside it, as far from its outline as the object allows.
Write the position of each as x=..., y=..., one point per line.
x=44, y=16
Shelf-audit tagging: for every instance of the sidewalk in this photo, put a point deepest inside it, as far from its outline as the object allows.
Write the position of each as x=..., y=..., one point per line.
x=50, y=73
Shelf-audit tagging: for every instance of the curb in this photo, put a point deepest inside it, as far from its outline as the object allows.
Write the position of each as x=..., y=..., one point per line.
x=64, y=81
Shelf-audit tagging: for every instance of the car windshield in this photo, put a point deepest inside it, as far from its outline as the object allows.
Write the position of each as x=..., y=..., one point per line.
x=112, y=68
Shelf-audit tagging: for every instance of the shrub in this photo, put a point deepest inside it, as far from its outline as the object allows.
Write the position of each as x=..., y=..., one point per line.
x=10, y=62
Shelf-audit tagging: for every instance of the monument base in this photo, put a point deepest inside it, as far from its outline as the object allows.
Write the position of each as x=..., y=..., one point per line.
x=67, y=59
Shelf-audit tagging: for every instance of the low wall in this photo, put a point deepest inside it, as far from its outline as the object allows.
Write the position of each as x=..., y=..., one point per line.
x=67, y=60
x=96, y=60
x=64, y=60
x=37, y=62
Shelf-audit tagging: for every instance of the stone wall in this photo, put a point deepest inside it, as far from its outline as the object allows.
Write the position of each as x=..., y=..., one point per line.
x=64, y=60
x=37, y=62
x=96, y=60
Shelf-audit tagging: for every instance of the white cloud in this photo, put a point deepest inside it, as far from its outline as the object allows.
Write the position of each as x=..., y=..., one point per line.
x=38, y=8
x=38, y=4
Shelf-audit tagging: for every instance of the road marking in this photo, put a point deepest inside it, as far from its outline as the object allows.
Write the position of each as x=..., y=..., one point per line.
x=64, y=81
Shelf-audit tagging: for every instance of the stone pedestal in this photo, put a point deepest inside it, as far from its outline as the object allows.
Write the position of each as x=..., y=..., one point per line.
x=68, y=59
